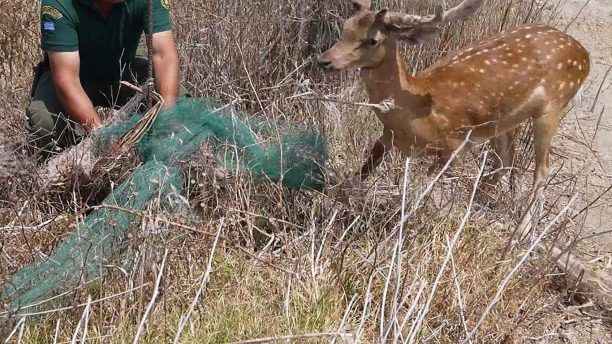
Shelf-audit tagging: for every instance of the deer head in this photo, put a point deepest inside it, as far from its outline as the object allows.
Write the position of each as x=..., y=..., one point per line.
x=368, y=36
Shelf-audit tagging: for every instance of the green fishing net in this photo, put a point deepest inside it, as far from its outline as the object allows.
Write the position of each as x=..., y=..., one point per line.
x=291, y=154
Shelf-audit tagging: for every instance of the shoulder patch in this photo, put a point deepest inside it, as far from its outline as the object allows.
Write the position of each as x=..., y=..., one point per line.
x=165, y=3
x=53, y=13
x=49, y=26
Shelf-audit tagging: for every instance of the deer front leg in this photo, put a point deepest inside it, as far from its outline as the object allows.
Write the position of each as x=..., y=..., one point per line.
x=502, y=162
x=453, y=146
x=375, y=157
x=503, y=147
x=345, y=190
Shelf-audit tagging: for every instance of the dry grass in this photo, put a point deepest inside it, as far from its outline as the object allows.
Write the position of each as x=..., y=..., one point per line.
x=411, y=260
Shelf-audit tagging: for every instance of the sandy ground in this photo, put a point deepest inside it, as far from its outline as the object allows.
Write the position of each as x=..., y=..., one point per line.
x=591, y=25
x=593, y=28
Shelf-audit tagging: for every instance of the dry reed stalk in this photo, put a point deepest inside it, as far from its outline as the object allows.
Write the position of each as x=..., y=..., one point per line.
x=185, y=317
x=344, y=337
x=82, y=324
x=145, y=317
x=500, y=290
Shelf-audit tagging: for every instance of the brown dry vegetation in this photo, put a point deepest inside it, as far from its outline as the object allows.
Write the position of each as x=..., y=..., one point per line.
x=376, y=271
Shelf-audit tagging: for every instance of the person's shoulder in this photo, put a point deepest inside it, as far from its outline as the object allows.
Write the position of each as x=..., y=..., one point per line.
x=57, y=8
x=144, y=4
x=137, y=3
x=58, y=3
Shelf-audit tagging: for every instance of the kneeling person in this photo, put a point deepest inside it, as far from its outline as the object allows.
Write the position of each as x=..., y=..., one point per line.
x=89, y=47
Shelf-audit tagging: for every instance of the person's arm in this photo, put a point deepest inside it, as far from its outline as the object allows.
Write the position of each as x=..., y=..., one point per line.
x=166, y=67
x=65, y=75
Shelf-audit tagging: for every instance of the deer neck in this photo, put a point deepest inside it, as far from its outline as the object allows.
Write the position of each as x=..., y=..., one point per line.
x=390, y=79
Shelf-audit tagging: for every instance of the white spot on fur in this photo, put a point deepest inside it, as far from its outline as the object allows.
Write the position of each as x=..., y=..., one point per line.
x=539, y=91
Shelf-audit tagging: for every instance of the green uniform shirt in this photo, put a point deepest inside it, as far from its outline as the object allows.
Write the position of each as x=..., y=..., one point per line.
x=104, y=43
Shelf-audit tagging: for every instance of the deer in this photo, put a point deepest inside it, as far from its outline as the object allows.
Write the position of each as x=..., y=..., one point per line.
x=485, y=89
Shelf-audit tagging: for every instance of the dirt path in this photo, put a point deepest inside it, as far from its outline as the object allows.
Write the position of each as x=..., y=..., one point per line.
x=593, y=28
x=591, y=25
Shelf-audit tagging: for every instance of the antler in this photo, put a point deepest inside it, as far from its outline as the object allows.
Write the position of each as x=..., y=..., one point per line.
x=461, y=11
x=400, y=20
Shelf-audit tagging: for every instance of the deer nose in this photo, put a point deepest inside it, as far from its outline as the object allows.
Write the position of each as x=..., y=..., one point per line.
x=325, y=64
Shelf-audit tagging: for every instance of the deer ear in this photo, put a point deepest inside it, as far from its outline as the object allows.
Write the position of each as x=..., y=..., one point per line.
x=419, y=34
x=361, y=5
x=380, y=15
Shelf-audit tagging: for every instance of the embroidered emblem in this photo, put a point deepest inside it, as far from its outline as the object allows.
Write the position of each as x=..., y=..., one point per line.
x=165, y=3
x=49, y=26
x=51, y=12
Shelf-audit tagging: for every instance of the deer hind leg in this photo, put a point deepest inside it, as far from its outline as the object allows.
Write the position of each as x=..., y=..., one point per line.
x=544, y=128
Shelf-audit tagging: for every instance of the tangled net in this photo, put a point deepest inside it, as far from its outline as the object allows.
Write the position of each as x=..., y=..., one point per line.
x=292, y=155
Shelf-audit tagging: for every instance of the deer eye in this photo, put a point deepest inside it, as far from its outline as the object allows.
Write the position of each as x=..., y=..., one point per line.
x=370, y=42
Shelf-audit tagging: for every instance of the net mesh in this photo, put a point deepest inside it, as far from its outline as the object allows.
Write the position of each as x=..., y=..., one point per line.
x=291, y=154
